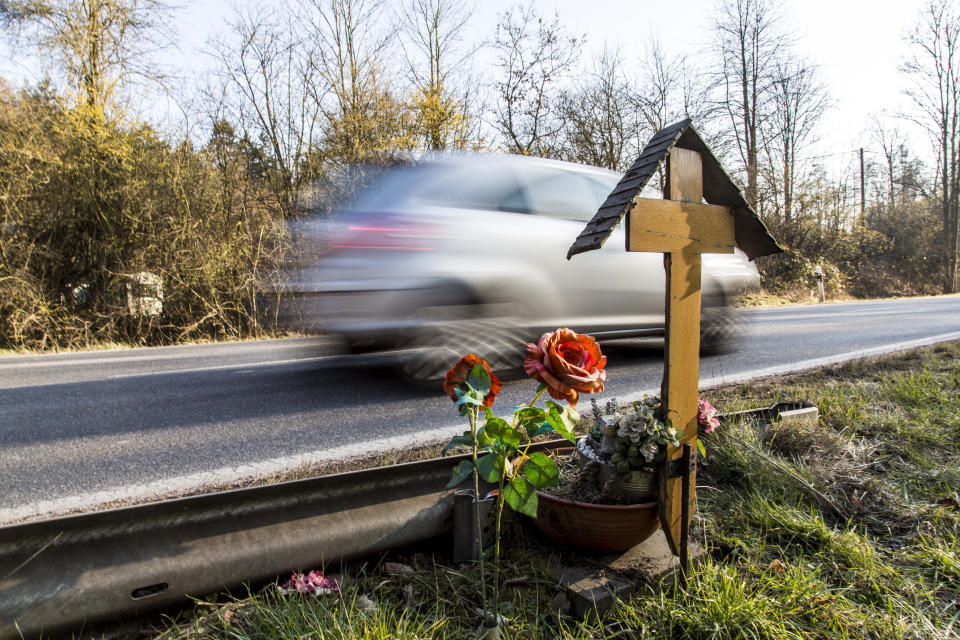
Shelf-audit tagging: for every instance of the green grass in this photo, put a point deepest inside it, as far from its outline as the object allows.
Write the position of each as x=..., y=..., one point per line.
x=849, y=529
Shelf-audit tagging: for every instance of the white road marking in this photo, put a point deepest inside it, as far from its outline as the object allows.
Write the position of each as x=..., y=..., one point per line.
x=804, y=365
x=221, y=367
x=170, y=487
x=67, y=359
x=250, y=367
x=816, y=363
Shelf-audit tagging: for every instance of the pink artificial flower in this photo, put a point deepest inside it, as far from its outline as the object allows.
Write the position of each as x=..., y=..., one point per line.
x=314, y=582
x=707, y=415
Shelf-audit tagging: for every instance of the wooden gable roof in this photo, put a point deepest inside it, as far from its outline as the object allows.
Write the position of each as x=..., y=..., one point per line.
x=751, y=234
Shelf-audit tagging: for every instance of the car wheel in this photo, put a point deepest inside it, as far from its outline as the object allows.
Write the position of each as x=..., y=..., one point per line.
x=443, y=335
x=721, y=326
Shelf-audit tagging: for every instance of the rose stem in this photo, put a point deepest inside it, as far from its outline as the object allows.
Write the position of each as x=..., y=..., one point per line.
x=476, y=507
x=496, y=535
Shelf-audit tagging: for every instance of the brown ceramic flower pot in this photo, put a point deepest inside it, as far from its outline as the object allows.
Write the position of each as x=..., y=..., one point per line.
x=595, y=527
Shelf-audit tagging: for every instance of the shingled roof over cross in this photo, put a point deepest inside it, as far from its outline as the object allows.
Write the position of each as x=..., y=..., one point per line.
x=751, y=234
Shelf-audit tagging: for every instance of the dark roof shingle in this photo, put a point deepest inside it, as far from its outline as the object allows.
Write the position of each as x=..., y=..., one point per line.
x=751, y=234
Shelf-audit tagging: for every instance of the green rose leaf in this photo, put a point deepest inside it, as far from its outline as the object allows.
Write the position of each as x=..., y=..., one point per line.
x=539, y=431
x=562, y=420
x=569, y=414
x=468, y=401
x=488, y=468
x=521, y=496
x=469, y=398
x=465, y=440
x=532, y=420
x=479, y=379
x=528, y=414
x=460, y=473
x=484, y=440
x=499, y=429
x=541, y=470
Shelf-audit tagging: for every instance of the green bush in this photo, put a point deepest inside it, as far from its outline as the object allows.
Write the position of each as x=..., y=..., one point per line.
x=89, y=202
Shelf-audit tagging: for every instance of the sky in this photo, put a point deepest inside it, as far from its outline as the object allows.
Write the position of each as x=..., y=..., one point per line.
x=858, y=46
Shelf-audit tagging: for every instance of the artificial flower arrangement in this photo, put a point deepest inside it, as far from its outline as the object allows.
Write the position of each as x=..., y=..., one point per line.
x=643, y=434
x=566, y=364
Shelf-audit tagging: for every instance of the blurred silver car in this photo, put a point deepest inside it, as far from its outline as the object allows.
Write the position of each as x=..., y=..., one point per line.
x=468, y=254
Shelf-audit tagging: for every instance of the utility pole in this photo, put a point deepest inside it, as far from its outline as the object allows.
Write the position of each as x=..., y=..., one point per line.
x=956, y=251
x=863, y=202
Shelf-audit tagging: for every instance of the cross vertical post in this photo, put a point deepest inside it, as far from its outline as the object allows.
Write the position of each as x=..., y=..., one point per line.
x=682, y=353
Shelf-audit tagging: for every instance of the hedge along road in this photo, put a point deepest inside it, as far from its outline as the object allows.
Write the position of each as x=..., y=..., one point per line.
x=83, y=429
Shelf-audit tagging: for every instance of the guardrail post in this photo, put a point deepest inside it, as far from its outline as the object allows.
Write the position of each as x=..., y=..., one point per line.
x=467, y=547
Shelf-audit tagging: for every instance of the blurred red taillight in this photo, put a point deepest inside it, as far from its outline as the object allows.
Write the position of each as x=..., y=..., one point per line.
x=384, y=233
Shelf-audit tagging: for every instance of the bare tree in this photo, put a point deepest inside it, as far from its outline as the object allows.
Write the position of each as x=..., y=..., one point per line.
x=307, y=84
x=669, y=91
x=98, y=44
x=798, y=100
x=601, y=127
x=273, y=88
x=533, y=54
x=901, y=171
x=433, y=44
x=749, y=44
x=934, y=68
x=363, y=118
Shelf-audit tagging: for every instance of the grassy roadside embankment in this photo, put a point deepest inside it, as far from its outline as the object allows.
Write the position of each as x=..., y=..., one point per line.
x=847, y=530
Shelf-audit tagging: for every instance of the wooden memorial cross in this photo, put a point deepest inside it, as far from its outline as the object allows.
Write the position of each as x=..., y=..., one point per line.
x=682, y=228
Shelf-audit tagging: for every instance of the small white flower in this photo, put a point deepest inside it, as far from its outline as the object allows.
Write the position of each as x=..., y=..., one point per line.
x=612, y=419
x=649, y=451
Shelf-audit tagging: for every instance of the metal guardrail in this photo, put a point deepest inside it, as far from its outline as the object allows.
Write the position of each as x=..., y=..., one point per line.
x=59, y=574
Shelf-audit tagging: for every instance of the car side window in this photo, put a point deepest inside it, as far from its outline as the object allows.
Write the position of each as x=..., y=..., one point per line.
x=515, y=202
x=473, y=188
x=563, y=195
x=601, y=190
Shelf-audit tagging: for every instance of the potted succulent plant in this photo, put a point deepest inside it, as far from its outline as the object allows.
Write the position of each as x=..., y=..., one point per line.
x=634, y=442
x=608, y=502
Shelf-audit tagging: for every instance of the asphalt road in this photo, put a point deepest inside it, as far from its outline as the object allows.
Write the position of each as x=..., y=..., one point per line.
x=87, y=428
